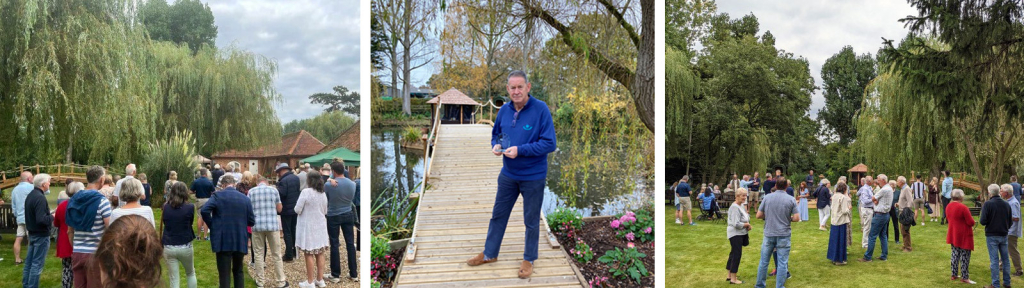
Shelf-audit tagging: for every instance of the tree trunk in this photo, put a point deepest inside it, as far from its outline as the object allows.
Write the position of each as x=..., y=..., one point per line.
x=643, y=86
x=406, y=66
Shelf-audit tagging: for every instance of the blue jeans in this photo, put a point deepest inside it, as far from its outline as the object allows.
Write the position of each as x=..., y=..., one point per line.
x=997, y=253
x=781, y=246
x=508, y=192
x=879, y=229
x=34, y=261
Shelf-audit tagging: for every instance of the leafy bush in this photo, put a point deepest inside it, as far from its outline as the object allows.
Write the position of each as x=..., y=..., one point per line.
x=625, y=263
x=565, y=221
x=379, y=248
x=173, y=154
x=637, y=226
x=394, y=215
x=411, y=134
x=582, y=252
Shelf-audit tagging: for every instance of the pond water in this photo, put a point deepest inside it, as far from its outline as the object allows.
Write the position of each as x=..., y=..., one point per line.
x=606, y=191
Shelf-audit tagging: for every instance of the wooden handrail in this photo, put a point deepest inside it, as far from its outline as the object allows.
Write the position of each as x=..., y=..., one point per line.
x=410, y=252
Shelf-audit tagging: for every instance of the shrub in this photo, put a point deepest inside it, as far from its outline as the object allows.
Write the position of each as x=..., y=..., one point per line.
x=565, y=221
x=173, y=154
x=379, y=248
x=411, y=135
x=582, y=252
x=625, y=263
x=632, y=226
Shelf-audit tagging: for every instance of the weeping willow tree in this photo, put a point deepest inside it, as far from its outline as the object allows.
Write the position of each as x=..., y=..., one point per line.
x=225, y=95
x=71, y=82
x=973, y=76
x=80, y=81
x=903, y=129
x=899, y=133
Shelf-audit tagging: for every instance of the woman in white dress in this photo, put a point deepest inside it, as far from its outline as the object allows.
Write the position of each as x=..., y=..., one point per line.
x=311, y=229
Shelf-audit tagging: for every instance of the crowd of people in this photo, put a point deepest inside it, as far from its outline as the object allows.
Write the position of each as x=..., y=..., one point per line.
x=107, y=234
x=880, y=202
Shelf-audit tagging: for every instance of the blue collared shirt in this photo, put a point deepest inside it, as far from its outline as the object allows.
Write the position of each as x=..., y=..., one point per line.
x=947, y=187
x=1015, y=211
x=18, y=195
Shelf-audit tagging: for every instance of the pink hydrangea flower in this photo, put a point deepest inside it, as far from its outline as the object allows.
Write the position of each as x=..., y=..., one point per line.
x=630, y=236
x=648, y=230
x=615, y=224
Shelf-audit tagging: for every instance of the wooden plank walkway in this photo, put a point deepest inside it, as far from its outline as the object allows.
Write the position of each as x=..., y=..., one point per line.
x=453, y=218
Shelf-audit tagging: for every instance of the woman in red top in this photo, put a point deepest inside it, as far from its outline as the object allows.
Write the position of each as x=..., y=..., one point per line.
x=64, y=248
x=960, y=236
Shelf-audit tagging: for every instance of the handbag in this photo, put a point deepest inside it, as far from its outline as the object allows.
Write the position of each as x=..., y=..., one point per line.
x=929, y=207
x=746, y=240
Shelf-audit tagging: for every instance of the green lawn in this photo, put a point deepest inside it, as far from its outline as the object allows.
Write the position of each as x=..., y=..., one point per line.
x=10, y=274
x=695, y=256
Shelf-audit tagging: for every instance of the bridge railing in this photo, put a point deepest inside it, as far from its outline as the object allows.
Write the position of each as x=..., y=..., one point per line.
x=428, y=160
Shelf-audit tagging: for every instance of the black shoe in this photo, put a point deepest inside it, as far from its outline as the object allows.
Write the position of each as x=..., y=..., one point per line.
x=285, y=285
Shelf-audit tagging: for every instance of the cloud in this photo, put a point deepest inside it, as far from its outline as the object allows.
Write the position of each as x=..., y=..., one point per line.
x=817, y=29
x=315, y=44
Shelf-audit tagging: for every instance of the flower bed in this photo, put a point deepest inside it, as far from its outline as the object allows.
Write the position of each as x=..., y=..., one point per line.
x=614, y=261
x=384, y=263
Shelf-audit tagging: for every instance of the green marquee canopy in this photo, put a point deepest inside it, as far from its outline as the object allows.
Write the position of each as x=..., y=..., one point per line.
x=351, y=158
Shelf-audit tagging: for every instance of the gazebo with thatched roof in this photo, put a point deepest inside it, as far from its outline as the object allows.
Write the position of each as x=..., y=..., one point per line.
x=456, y=107
x=858, y=171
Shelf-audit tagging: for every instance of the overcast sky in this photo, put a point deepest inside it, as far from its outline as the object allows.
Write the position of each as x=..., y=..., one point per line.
x=315, y=44
x=816, y=30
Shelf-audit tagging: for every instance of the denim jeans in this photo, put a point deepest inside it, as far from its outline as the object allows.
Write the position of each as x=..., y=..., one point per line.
x=288, y=223
x=34, y=260
x=342, y=223
x=508, y=192
x=180, y=254
x=781, y=246
x=879, y=229
x=998, y=253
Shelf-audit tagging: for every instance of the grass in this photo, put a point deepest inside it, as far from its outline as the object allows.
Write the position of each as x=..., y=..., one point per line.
x=695, y=256
x=10, y=274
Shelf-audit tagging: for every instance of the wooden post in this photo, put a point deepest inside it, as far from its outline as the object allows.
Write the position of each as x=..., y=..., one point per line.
x=37, y=169
x=460, y=113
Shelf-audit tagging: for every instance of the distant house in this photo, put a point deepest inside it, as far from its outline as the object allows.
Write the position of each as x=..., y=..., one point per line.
x=414, y=92
x=292, y=148
x=348, y=139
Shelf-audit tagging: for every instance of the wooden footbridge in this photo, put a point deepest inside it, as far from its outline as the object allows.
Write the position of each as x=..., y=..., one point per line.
x=453, y=215
x=58, y=173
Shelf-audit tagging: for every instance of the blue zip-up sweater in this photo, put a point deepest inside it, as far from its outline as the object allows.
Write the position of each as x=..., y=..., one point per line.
x=534, y=136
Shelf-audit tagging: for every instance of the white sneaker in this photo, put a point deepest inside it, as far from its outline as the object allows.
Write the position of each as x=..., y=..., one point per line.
x=305, y=284
x=355, y=279
x=678, y=222
x=321, y=284
x=922, y=224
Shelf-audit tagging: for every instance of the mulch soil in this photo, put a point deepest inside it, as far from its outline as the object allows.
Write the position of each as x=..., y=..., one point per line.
x=601, y=237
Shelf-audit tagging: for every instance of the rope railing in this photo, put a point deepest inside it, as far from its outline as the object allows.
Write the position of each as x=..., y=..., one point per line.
x=428, y=157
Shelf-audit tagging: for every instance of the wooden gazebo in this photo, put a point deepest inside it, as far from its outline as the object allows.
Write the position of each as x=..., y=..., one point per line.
x=858, y=171
x=456, y=107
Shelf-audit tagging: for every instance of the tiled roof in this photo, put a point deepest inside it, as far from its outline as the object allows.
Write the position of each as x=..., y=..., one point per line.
x=453, y=97
x=293, y=144
x=348, y=139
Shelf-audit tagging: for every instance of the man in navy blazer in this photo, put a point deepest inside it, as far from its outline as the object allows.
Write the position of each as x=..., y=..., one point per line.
x=288, y=186
x=229, y=213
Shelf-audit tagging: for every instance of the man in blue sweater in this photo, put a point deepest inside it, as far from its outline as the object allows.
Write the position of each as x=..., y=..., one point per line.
x=525, y=127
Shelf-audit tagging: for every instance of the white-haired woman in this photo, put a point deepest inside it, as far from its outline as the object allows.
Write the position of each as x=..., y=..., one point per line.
x=131, y=193
x=960, y=236
x=737, y=232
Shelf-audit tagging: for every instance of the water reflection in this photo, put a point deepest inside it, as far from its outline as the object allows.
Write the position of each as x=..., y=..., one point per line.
x=607, y=191
x=390, y=173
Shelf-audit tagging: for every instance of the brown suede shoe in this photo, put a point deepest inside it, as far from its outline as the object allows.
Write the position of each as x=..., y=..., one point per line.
x=479, y=260
x=525, y=269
